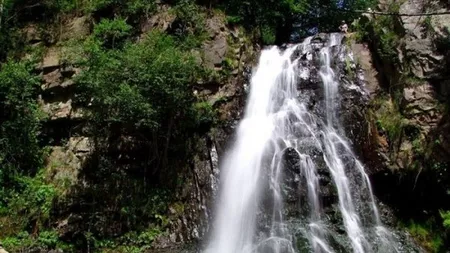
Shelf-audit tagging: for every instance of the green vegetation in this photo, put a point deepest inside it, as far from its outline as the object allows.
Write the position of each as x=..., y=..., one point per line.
x=189, y=26
x=427, y=25
x=140, y=110
x=46, y=240
x=141, y=92
x=381, y=31
x=144, y=89
x=425, y=235
x=20, y=117
x=389, y=119
x=446, y=219
x=274, y=20
x=424, y=173
x=112, y=33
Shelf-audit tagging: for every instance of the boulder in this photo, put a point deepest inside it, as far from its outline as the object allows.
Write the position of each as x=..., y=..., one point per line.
x=214, y=26
x=215, y=51
x=61, y=109
x=51, y=60
x=77, y=28
x=162, y=20
x=32, y=34
x=411, y=24
x=65, y=162
x=52, y=79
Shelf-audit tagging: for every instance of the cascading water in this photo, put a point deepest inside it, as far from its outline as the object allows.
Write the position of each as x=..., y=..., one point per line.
x=273, y=193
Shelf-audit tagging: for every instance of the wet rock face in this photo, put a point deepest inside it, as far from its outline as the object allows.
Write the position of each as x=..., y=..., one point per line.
x=350, y=103
x=353, y=98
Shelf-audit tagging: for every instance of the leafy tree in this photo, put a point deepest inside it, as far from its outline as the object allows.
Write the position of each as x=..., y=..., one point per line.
x=133, y=9
x=143, y=90
x=279, y=19
x=112, y=33
x=20, y=151
x=274, y=17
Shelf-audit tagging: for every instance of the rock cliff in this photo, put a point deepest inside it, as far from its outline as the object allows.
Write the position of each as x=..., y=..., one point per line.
x=406, y=144
x=227, y=51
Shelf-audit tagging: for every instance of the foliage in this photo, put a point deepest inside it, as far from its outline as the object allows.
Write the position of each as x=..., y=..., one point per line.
x=28, y=206
x=388, y=39
x=112, y=33
x=389, y=119
x=140, y=99
x=268, y=35
x=427, y=25
x=128, y=8
x=425, y=235
x=381, y=31
x=20, y=151
x=266, y=16
x=143, y=85
x=445, y=215
x=278, y=18
x=190, y=22
x=46, y=240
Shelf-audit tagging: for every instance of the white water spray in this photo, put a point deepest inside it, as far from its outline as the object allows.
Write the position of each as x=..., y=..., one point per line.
x=277, y=121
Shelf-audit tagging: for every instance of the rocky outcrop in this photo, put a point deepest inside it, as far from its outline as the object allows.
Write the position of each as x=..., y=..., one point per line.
x=162, y=20
x=407, y=145
x=196, y=196
x=417, y=74
x=71, y=146
x=2, y=250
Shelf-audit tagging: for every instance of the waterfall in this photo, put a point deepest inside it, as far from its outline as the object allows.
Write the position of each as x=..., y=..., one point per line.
x=290, y=153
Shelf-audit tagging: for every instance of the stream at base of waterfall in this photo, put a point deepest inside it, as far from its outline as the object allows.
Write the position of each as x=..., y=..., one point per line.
x=291, y=182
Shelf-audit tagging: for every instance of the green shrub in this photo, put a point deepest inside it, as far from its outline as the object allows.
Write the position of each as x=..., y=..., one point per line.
x=128, y=8
x=190, y=22
x=28, y=206
x=426, y=236
x=427, y=25
x=145, y=88
x=268, y=35
x=445, y=215
x=112, y=33
x=49, y=239
x=20, y=117
x=24, y=242
x=389, y=119
x=382, y=31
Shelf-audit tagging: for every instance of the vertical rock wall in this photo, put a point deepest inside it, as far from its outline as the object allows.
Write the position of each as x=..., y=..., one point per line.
x=227, y=51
